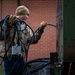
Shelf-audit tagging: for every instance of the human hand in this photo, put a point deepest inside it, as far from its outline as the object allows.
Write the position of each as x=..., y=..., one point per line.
x=43, y=24
x=11, y=20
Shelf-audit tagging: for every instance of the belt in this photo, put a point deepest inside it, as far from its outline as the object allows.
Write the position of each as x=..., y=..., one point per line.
x=17, y=56
x=14, y=56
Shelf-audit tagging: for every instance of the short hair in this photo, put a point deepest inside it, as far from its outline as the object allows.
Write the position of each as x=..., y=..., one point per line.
x=21, y=10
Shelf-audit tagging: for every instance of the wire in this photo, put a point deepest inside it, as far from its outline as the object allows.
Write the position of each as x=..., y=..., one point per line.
x=5, y=24
x=18, y=34
x=51, y=25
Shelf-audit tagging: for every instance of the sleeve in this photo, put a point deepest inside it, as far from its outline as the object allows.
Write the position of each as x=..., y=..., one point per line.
x=33, y=37
x=37, y=35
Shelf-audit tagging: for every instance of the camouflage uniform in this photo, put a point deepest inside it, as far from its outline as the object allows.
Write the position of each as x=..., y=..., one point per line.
x=25, y=37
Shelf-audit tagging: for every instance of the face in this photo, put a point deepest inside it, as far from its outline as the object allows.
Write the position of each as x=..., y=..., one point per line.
x=24, y=17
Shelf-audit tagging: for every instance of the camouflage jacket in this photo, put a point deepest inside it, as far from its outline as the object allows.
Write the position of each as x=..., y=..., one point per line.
x=24, y=33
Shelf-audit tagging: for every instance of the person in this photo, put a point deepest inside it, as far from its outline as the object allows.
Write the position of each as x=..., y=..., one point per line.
x=16, y=40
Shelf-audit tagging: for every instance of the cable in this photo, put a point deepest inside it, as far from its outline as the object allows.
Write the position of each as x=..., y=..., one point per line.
x=18, y=34
x=5, y=24
x=51, y=25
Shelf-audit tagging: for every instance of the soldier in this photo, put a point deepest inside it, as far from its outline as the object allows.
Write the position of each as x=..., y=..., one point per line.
x=14, y=54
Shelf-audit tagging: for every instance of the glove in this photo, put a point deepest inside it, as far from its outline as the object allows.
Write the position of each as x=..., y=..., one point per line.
x=11, y=20
x=43, y=24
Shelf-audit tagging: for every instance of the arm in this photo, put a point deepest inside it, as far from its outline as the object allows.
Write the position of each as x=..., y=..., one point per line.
x=38, y=33
x=10, y=21
x=2, y=33
x=33, y=37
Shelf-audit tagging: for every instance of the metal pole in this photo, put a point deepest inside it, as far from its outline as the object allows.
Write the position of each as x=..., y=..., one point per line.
x=18, y=2
x=0, y=9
